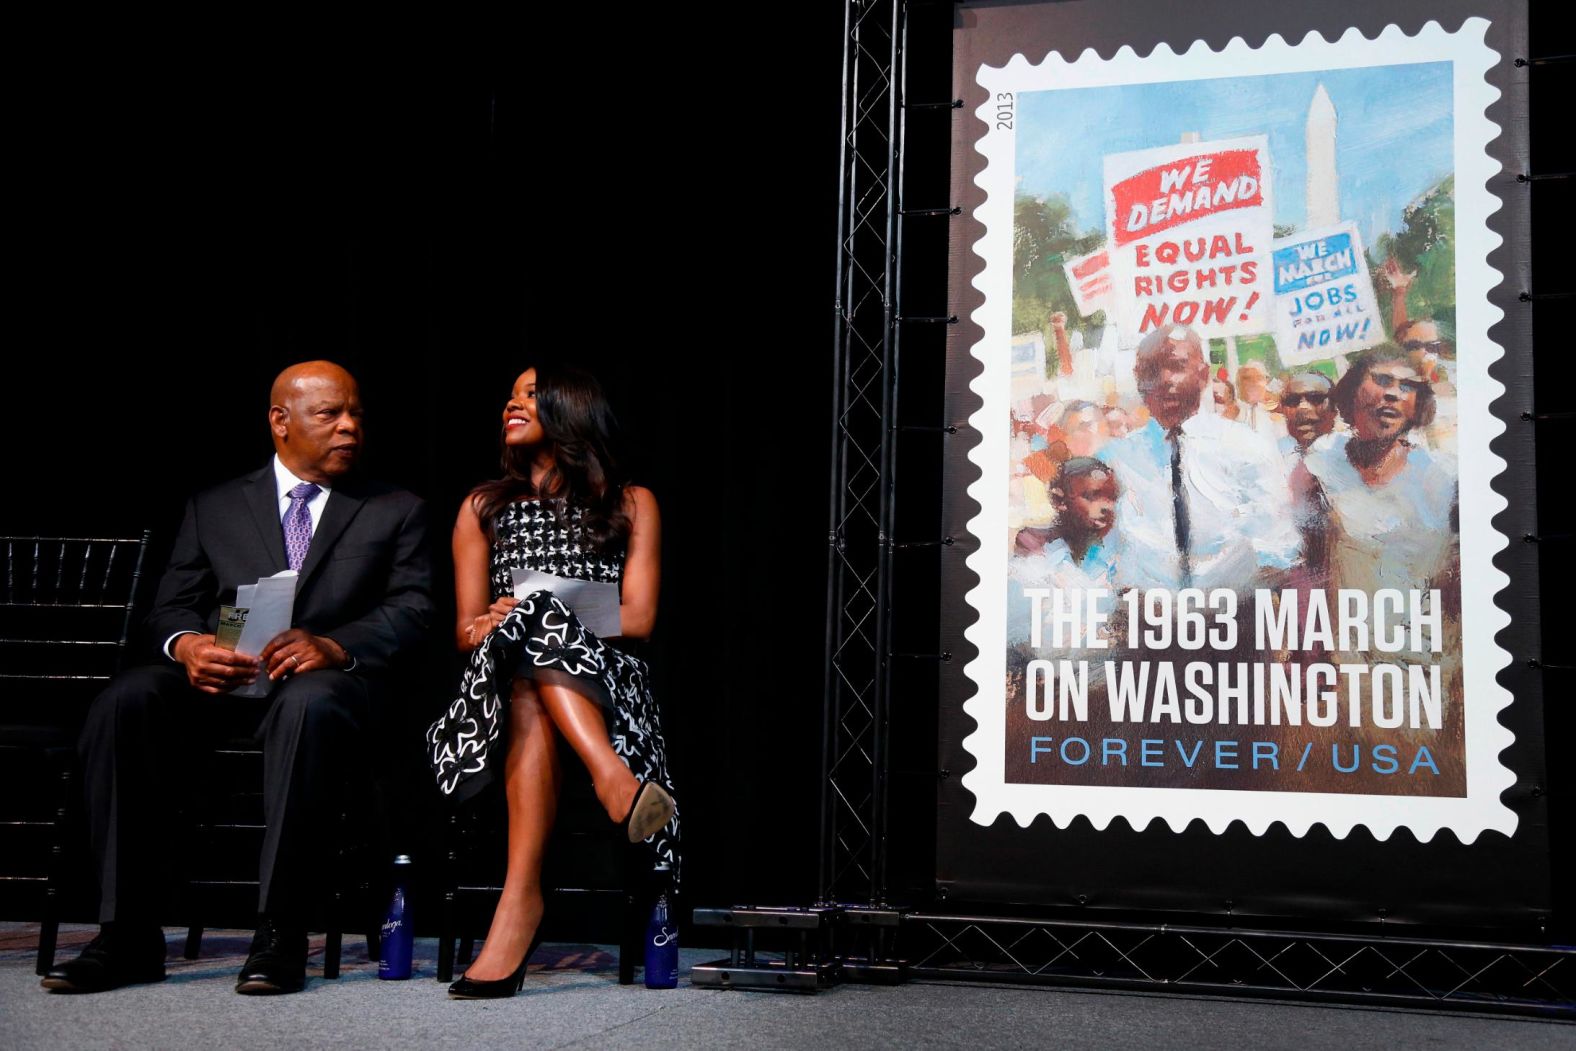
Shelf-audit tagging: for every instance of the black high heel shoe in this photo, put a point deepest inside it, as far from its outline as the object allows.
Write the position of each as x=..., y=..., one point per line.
x=652, y=808
x=467, y=988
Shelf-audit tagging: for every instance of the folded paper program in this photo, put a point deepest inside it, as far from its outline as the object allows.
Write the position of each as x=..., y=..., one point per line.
x=595, y=603
x=270, y=604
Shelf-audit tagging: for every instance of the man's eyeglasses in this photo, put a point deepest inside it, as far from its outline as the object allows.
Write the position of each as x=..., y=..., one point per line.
x=1433, y=346
x=1389, y=381
x=1316, y=398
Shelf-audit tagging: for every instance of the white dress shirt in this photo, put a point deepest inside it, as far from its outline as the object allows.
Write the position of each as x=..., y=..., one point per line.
x=1238, y=504
x=284, y=481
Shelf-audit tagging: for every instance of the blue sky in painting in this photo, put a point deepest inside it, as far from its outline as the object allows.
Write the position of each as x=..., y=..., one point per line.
x=1394, y=132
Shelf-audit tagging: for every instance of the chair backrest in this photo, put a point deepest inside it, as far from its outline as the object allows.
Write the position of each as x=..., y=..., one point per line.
x=67, y=606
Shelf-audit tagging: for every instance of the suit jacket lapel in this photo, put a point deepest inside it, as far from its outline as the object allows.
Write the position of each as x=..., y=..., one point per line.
x=343, y=503
x=262, y=496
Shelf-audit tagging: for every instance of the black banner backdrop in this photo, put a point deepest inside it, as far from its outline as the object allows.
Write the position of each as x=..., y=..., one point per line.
x=1300, y=188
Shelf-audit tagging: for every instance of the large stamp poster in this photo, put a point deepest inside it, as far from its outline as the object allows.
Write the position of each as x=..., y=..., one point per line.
x=1235, y=501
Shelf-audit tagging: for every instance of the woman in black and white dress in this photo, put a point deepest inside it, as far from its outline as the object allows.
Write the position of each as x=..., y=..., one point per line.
x=536, y=673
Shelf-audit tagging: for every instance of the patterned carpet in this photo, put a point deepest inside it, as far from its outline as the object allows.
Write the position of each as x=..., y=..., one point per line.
x=572, y=999
x=225, y=951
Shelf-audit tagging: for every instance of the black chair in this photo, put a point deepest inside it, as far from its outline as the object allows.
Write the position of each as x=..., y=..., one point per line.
x=67, y=613
x=226, y=837
x=588, y=874
x=68, y=609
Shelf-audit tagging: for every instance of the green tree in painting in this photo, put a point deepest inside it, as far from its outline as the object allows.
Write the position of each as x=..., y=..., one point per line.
x=1425, y=245
x=1044, y=236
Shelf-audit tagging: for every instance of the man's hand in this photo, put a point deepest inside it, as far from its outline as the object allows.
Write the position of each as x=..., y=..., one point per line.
x=297, y=651
x=1059, y=321
x=213, y=669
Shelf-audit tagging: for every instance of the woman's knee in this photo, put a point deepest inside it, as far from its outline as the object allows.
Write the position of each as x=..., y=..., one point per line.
x=523, y=691
x=525, y=703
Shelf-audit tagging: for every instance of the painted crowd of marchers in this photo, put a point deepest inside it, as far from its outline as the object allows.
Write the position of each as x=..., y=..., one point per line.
x=1167, y=459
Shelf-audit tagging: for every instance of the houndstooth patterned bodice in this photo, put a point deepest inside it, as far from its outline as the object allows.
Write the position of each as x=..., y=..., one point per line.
x=528, y=535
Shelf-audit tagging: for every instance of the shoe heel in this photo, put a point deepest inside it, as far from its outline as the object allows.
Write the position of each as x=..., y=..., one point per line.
x=467, y=988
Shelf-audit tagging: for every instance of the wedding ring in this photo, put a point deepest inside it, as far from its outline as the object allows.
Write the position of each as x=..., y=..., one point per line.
x=294, y=659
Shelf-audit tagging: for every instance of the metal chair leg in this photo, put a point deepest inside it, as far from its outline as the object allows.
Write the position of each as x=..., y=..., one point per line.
x=446, y=938
x=629, y=942
x=49, y=925
x=446, y=915
x=332, y=945
x=48, y=932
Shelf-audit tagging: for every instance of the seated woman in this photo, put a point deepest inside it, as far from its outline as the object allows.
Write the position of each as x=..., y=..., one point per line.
x=536, y=673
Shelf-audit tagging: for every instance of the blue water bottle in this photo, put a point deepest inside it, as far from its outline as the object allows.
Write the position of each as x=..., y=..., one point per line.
x=662, y=938
x=394, y=961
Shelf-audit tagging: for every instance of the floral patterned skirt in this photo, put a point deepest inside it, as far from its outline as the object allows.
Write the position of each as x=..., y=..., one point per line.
x=542, y=639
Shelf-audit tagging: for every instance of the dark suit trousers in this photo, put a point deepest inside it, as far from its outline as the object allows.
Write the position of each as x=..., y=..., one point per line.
x=138, y=768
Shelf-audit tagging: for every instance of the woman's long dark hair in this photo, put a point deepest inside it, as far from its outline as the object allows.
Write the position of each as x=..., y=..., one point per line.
x=581, y=429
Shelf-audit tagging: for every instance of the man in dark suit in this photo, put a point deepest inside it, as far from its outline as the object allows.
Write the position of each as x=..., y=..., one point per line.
x=362, y=596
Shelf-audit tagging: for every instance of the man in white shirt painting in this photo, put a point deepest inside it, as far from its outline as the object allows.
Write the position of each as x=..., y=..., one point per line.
x=1205, y=501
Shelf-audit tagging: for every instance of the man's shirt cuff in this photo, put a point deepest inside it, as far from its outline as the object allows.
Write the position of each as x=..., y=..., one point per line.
x=169, y=643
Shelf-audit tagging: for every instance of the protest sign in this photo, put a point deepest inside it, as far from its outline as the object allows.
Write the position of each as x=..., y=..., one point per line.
x=1190, y=228
x=1089, y=276
x=1324, y=297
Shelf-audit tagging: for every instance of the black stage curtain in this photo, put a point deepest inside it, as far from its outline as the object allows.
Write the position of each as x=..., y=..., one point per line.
x=436, y=220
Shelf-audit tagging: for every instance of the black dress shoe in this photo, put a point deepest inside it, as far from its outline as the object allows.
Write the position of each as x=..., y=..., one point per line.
x=277, y=962
x=467, y=988
x=120, y=955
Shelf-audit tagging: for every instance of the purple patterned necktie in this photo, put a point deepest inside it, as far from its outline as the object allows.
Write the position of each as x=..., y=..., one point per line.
x=298, y=524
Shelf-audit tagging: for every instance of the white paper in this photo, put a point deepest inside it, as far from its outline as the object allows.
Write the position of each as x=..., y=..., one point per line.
x=596, y=604
x=271, y=602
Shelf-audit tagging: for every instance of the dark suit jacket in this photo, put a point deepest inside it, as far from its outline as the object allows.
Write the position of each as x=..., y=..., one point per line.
x=366, y=581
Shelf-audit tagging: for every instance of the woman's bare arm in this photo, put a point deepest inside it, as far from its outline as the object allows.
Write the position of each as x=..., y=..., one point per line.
x=642, y=564
x=475, y=615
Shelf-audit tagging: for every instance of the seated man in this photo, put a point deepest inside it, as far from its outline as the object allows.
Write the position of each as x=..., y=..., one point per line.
x=362, y=595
